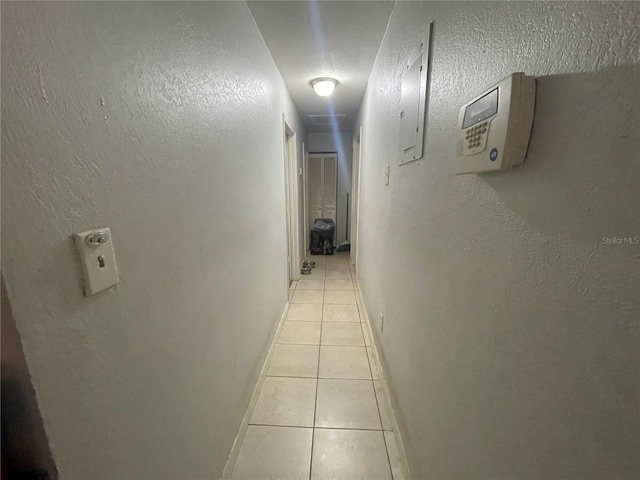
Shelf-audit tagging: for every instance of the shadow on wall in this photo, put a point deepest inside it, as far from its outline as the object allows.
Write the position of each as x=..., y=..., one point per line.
x=583, y=158
x=25, y=449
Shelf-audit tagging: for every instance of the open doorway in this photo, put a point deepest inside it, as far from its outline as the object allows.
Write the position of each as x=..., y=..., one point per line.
x=355, y=198
x=291, y=202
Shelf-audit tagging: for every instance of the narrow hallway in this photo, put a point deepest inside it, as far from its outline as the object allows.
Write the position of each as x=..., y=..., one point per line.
x=322, y=409
x=166, y=166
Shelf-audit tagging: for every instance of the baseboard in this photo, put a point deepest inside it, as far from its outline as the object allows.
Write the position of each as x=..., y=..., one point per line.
x=237, y=443
x=384, y=374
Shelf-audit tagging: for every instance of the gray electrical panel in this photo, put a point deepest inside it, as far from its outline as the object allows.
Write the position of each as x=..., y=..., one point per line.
x=409, y=103
x=413, y=103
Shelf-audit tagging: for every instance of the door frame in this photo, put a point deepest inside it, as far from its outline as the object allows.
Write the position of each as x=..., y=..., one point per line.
x=355, y=199
x=305, y=200
x=336, y=214
x=291, y=200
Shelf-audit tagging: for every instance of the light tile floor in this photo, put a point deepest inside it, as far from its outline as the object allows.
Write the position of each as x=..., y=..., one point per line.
x=322, y=412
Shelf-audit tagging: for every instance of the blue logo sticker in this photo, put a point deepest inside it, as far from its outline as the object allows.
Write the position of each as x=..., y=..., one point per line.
x=494, y=154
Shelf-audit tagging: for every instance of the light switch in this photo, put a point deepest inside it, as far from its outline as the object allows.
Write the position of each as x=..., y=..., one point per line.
x=97, y=259
x=387, y=171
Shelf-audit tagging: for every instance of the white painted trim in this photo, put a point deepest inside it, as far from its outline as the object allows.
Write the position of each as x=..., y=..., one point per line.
x=237, y=443
x=295, y=204
x=384, y=375
x=305, y=199
x=307, y=221
x=292, y=211
x=355, y=199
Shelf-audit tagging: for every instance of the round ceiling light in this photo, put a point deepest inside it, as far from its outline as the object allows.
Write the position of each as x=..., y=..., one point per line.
x=324, y=86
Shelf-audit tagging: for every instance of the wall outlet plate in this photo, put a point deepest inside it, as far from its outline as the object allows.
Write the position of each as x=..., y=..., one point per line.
x=98, y=260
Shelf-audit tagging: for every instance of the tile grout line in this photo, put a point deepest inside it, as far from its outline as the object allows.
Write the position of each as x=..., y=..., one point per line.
x=375, y=393
x=370, y=360
x=323, y=344
x=319, y=378
x=325, y=321
x=384, y=437
x=315, y=403
x=315, y=407
x=278, y=426
x=329, y=290
x=320, y=428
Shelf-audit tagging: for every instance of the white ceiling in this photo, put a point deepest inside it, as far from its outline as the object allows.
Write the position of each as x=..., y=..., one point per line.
x=311, y=39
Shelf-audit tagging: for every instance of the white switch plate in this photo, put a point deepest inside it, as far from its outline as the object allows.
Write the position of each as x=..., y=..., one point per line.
x=98, y=261
x=387, y=172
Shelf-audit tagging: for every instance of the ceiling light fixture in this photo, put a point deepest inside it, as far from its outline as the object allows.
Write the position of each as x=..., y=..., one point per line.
x=324, y=86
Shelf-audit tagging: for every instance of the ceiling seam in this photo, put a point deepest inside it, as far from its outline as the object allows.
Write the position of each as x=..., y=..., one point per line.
x=386, y=30
x=264, y=42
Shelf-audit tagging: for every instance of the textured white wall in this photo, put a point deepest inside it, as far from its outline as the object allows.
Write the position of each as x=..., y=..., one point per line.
x=164, y=122
x=340, y=143
x=511, y=330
